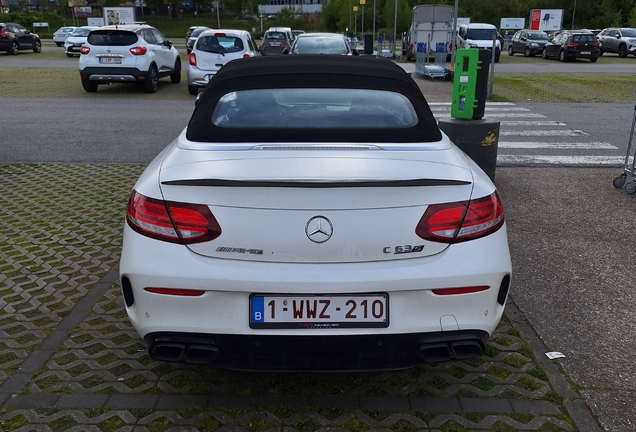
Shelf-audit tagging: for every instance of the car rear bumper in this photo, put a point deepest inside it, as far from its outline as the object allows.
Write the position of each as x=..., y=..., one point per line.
x=323, y=353
x=106, y=75
x=197, y=77
x=224, y=307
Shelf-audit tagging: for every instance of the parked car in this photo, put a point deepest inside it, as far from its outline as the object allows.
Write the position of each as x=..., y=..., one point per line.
x=297, y=33
x=275, y=41
x=321, y=43
x=191, y=29
x=61, y=34
x=528, y=42
x=479, y=35
x=312, y=216
x=128, y=54
x=573, y=44
x=621, y=41
x=193, y=37
x=212, y=50
x=15, y=38
x=76, y=40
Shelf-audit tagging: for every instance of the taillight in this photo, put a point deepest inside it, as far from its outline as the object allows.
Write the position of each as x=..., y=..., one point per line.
x=3, y=33
x=219, y=34
x=595, y=45
x=572, y=44
x=246, y=55
x=171, y=221
x=286, y=45
x=192, y=59
x=138, y=50
x=84, y=49
x=461, y=221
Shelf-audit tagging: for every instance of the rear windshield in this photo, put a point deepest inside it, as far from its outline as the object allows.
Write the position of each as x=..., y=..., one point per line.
x=219, y=44
x=584, y=38
x=314, y=108
x=320, y=46
x=112, y=37
x=275, y=35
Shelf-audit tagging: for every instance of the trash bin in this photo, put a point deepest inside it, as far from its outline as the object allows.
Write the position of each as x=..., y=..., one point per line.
x=368, y=44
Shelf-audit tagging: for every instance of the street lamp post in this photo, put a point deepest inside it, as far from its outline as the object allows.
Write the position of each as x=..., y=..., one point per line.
x=355, y=22
x=573, y=11
x=373, y=36
x=362, y=3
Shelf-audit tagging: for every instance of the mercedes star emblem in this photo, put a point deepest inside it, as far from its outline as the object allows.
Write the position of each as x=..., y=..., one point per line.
x=319, y=229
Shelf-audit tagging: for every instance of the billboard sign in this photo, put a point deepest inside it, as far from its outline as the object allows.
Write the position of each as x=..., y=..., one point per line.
x=512, y=23
x=119, y=15
x=546, y=19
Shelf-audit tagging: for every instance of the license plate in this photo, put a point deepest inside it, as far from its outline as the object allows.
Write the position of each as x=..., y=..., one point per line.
x=586, y=52
x=208, y=77
x=110, y=60
x=274, y=44
x=319, y=311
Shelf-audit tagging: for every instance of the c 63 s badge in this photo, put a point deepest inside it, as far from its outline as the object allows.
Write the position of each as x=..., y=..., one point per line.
x=397, y=250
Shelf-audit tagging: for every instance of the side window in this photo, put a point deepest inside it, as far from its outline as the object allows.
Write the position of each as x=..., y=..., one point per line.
x=250, y=43
x=159, y=38
x=147, y=35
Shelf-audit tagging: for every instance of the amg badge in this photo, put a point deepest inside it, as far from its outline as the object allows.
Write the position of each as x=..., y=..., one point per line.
x=240, y=250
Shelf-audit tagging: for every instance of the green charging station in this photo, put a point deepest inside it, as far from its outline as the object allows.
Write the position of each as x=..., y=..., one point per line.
x=470, y=83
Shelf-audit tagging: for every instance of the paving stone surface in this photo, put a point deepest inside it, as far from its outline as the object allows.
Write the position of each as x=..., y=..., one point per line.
x=70, y=360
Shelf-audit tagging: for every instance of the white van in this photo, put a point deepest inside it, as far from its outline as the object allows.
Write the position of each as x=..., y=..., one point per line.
x=478, y=35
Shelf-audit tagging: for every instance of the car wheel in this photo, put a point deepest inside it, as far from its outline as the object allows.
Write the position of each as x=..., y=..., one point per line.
x=90, y=86
x=526, y=52
x=176, y=74
x=38, y=47
x=59, y=44
x=600, y=53
x=152, y=81
x=510, y=51
x=497, y=59
x=193, y=90
x=562, y=56
x=14, y=48
x=544, y=54
x=593, y=59
x=622, y=51
x=69, y=55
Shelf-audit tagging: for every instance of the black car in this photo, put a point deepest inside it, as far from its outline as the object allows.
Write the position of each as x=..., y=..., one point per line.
x=15, y=38
x=275, y=42
x=193, y=37
x=570, y=45
x=528, y=42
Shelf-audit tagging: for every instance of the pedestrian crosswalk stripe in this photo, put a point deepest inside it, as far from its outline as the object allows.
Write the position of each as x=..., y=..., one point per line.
x=546, y=133
x=504, y=160
x=556, y=145
x=531, y=123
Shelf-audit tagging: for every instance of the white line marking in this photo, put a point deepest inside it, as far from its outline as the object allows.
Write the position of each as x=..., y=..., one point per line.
x=556, y=145
x=573, y=133
x=487, y=103
x=516, y=115
x=531, y=123
x=561, y=160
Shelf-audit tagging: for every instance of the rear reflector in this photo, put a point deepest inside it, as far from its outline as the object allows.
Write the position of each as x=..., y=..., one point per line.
x=464, y=290
x=461, y=221
x=176, y=292
x=170, y=221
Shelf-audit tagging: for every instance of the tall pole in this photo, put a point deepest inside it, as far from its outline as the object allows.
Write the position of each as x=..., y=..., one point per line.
x=395, y=32
x=350, y=9
x=373, y=37
x=454, y=35
x=355, y=22
x=362, y=2
x=573, y=11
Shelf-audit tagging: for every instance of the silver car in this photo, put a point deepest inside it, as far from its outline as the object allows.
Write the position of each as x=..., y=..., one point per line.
x=60, y=35
x=212, y=50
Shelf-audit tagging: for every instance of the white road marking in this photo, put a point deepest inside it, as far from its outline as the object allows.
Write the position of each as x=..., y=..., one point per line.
x=531, y=123
x=527, y=133
x=561, y=160
x=556, y=145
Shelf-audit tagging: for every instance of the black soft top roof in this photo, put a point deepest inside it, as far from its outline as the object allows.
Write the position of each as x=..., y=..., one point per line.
x=311, y=71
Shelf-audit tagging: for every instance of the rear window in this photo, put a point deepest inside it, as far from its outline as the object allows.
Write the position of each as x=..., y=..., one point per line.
x=220, y=44
x=301, y=108
x=112, y=37
x=584, y=38
x=275, y=35
x=320, y=46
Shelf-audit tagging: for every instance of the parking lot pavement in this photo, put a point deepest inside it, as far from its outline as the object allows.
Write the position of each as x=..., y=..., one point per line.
x=71, y=360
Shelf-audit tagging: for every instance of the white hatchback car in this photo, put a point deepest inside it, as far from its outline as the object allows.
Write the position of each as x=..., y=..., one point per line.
x=61, y=34
x=128, y=54
x=76, y=40
x=212, y=50
x=312, y=216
